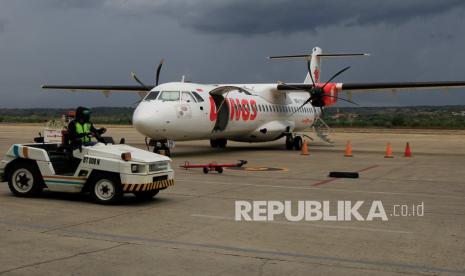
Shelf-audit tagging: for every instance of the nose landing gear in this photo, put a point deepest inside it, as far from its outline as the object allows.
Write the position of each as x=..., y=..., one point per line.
x=218, y=143
x=159, y=146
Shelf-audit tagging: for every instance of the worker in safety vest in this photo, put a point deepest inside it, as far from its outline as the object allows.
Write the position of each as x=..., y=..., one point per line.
x=81, y=129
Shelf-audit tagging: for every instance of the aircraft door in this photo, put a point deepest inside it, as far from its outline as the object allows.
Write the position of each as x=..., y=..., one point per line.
x=195, y=109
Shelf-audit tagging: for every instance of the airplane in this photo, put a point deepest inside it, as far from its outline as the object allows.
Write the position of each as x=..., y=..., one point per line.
x=257, y=112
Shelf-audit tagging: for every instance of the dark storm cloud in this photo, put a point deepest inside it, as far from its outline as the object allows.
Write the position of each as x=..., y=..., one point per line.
x=101, y=41
x=256, y=17
x=274, y=16
x=2, y=25
x=81, y=4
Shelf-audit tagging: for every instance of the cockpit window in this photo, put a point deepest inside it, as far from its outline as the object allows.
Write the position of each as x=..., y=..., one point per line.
x=169, y=96
x=152, y=96
x=187, y=97
x=197, y=96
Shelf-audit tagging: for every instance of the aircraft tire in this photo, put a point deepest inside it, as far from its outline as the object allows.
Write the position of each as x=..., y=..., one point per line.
x=214, y=143
x=298, y=143
x=222, y=143
x=289, y=143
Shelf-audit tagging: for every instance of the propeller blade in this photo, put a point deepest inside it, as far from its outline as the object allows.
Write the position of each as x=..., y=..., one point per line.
x=310, y=91
x=335, y=75
x=158, y=72
x=133, y=75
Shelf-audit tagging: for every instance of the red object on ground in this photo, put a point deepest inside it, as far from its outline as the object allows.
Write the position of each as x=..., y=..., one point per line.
x=213, y=166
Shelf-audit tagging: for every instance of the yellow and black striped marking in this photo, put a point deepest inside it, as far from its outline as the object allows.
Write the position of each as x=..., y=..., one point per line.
x=148, y=186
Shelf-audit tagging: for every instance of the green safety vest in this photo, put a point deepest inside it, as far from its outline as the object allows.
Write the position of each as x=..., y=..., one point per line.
x=80, y=129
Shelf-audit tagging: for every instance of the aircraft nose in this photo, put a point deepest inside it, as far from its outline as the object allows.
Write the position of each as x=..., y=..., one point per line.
x=144, y=119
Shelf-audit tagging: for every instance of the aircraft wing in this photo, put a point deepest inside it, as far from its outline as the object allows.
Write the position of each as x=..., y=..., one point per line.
x=105, y=89
x=367, y=87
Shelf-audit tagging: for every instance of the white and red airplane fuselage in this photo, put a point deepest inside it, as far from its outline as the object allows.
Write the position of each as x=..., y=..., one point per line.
x=187, y=111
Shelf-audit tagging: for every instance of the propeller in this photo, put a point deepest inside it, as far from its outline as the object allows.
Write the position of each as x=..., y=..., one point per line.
x=157, y=79
x=317, y=92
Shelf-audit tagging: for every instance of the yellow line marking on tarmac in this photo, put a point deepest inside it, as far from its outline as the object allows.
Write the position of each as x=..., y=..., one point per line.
x=308, y=224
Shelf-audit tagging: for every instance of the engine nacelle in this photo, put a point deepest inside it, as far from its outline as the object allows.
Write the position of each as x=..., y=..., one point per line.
x=330, y=89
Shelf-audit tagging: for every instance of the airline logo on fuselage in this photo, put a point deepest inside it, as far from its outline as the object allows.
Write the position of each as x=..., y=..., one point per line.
x=239, y=109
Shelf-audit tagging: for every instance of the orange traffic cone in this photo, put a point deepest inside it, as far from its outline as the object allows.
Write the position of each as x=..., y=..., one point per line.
x=408, y=152
x=348, y=152
x=388, y=151
x=304, y=148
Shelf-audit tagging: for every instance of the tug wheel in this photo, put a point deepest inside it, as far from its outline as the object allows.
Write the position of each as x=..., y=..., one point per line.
x=106, y=189
x=25, y=179
x=205, y=170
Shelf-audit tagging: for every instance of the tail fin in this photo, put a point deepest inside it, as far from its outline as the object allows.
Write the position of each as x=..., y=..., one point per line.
x=315, y=66
x=315, y=61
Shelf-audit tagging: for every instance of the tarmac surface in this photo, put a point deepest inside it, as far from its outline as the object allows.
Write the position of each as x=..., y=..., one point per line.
x=190, y=228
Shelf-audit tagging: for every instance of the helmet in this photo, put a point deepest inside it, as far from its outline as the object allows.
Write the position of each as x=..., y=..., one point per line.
x=83, y=113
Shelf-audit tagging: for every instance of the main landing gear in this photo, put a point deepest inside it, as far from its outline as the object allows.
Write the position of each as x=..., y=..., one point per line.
x=293, y=142
x=218, y=143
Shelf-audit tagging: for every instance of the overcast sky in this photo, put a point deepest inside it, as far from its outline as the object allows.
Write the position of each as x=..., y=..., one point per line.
x=102, y=41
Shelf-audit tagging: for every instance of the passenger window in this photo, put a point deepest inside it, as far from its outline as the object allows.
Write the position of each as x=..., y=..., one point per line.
x=152, y=96
x=187, y=97
x=197, y=96
x=169, y=96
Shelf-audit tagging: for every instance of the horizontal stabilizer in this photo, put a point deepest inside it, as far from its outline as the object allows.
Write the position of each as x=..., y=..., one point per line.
x=309, y=57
